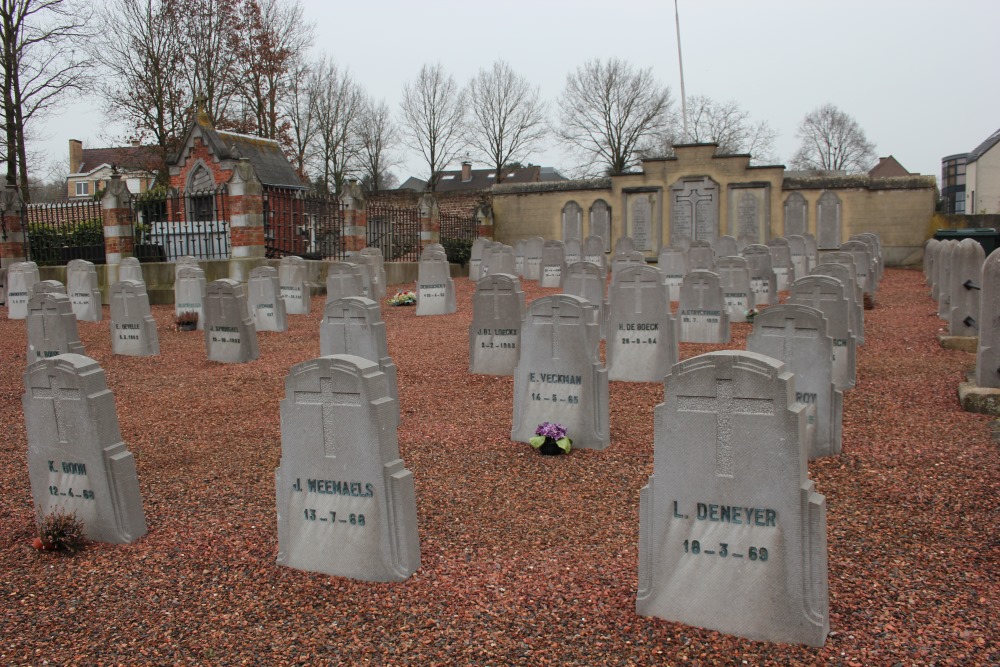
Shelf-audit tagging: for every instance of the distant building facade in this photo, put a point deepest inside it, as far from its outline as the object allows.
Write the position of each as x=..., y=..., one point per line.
x=953, y=183
x=468, y=179
x=91, y=168
x=982, y=177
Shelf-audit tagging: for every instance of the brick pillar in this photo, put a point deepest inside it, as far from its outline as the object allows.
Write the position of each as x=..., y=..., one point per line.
x=116, y=214
x=484, y=221
x=355, y=218
x=12, y=236
x=246, y=212
x=430, y=220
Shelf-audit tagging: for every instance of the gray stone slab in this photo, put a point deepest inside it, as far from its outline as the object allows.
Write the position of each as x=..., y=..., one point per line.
x=266, y=301
x=365, y=266
x=600, y=224
x=874, y=245
x=51, y=327
x=133, y=329
x=844, y=272
x=643, y=208
x=796, y=216
x=501, y=260
x=624, y=244
x=625, y=259
x=988, y=355
x=77, y=460
x=130, y=269
x=941, y=290
x=533, y=257
x=800, y=256
x=84, y=290
x=734, y=277
x=930, y=248
x=694, y=211
x=378, y=276
x=498, y=308
x=293, y=281
x=673, y=265
x=21, y=277
x=781, y=263
x=701, y=256
x=702, y=309
x=572, y=222
x=829, y=296
x=560, y=377
x=811, y=249
x=587, y=281
x=725, y=246
x=797, y=335
x=762, y=278
x=732, y=534
x=435, y=288
x=48, y=287
x=342, y=280
x=189, y=292
x=966, y=282
x=594, y=252
x=476, y=258
x=230, y=334
x=182, y=261
x=749, y=214
x=828, y=221
x=346, y=502
x=572, y=251
x=519, y=248
x=553, y=263
x=863, y=263
x=641, y=342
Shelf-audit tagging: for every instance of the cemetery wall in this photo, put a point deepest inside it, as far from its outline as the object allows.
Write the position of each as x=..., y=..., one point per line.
x=535, y=209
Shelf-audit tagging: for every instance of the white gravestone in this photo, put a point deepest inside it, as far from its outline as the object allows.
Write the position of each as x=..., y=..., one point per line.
x=293, y=280
x=829, y=295
x=594, y=252
x=800, y=257
x=498, y=308
x=21, y=277
x=48, y=287
x=725, y=246
x=624, y=244
x=230, y=335
x=553, y=263
x=342, y=281
x=845, y=274
x=265, y=301
x=942, y=269
x=346, y=502
x=812, y=252
x=133, y=329
x=734, y=277
x=874, y=246
x=365, y=265
x=76, y=458
x=435, y=288
x=130, y=269
x=378, y=263
x=701, y=256
x=189, y=292
x=732, y=534
x=930, y=248
x=762, y=279
x=624, y=259
x=641, y=342
x=182, y=261
x=51, y=327
x=560, y=377
x=966, y=278
x=781, y=263
x=84, y=290
x=864, y=265
x=796, y=335
x=988, y=354
x=501, y=260
x=673, y=265
x=702, y=309
x=476, y=258
x=3, y=286
x=572, y=251
x=533, y=257
x=587, y=281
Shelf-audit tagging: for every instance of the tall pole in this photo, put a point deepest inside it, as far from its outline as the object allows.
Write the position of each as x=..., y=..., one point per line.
x=680, y=62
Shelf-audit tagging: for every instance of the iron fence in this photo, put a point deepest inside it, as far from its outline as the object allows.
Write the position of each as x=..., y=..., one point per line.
x=308, y=225
x=57, y=233
x=457, y=227
x=395, y=231
x=168, y=226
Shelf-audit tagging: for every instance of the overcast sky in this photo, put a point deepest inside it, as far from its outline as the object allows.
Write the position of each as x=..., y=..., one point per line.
x=921, y=78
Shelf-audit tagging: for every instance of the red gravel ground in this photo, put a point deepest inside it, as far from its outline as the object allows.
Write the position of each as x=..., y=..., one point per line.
x=526, y=560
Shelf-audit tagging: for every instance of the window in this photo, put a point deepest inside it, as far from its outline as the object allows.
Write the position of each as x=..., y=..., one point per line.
x=82, y=189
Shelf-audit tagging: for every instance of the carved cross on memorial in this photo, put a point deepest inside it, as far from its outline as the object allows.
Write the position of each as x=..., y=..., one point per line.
x=553, y=320
x=497, y=292
x=329, y=400
x=57, y=395
x=789, y=332
x=636, y=282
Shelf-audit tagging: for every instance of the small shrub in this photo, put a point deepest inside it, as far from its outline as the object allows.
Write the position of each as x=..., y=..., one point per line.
x=60, y=532
x=457, y=250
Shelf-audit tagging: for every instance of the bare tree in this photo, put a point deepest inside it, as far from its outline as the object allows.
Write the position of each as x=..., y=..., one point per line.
x=42, y=66
x=377, y=137
x=337, y=101
x=297, y=108
x=508, y=118
x=434, y=110
x=607, y=110
x=832, y=140
x=209, y=33
x=723, y=123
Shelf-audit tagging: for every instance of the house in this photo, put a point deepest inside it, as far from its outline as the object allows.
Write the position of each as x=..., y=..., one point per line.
x=91, y=168
x=888, y=167
x=468, y=179
x=982, y=177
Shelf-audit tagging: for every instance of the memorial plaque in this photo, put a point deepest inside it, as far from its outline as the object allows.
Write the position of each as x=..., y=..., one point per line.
x=828, y=221
x=748, y=217
x=600, y=224
x=84, y=290
x=796, y=215
x=293, y=279
x=553, y=261
x=133, y=329
x=265, y=301
x=641, y=345
x=51, y=327
x=230, y=334
x=702, y=312
x=189, y=292
x=498, y=308
x=641, y=229
x=694, y=211
x=572, y=222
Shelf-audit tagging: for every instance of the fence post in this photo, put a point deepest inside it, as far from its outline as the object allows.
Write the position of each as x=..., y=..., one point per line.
x=484, y=221
x=116, y=218
x=429, y=215
x=12, y=238
x=355, y=218
x=246, y=219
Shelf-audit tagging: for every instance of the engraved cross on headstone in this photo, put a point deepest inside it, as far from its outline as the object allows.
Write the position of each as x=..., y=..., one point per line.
x=725, y=404
x=344, y=320
x=789, y=332
x=497, y=291
x=57, y=395
x=555, y=320
x=636, y=282
x=701, y=286
x=816, y=298
x=328, y=398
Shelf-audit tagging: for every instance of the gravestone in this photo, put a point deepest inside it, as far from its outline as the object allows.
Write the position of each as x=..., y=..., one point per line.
x=673, y=265
x=600, y=224
x=701, y=256
x=863, y=265
x=572, y=251
x=133, y=329
x=84, y=290
x=725, y=246
x=966, y=282
x=181, y=262
x=732, y=534
x=553, y=261
x=189, y=292
x=265, y=300
x=796, y=335
x=501, y=260
x=702, y=309
x=593, y=252
x=519, y=249
x=694, y=211
x=342, y=280
x=487, y=255
x=572, y=222
x=130, y=269
x=796, y=216
x=353, y=325
x=378, y=271
x=498, y=308
x=811, y=251
x=845, y=274
x=734, y=277
x=365, y=266
x=762, y=279
x=749, y=214
x=560, y=377
x=533, y=257
x=941, y=289
x=828, y=212
x=829, y=296
x=293, y=280
x=988, y=353
x=21, y=277
x=586, y=281
x=51, y=327
x=435, y=288
x=644, y=234
x=476, y=258
x=346, y=502
x=800, y=257
x=874, y=246
x=624, y=244
x=781, y=263
x=625, y=259
x=930, y=249
x=230, y=335
x=48, y=287
x=77, y=461
x=641, y=342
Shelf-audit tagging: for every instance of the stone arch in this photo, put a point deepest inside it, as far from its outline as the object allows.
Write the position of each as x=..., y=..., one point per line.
x=199, y=188
x=828, y=221
x=796, y=215
x=600, y=222
x=572, y=222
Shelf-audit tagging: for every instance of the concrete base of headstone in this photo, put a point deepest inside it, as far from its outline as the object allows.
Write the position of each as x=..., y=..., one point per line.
x=981, y=400
x=961, y=343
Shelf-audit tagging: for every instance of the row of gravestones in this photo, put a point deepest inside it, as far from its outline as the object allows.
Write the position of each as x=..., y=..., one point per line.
x=966, y=285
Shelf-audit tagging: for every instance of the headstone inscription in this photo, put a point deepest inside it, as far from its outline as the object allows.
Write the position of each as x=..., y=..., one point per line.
x=701, y=256
x=76, y=458
x=725, y=246
x=734, y=277
x=533, y=257
x=265, y=301
x=346, y=502
x=749, y=214
x=796, y=335
x=342, y=280
x=230, y=334
x=732, y=536
x=642, y=227
x=572, y=251
x=293, y=281
x=435, y=288
x=560, y=377
x=130, y=269
x=84, y=290
x=829, y=296
x=133, y=329
x=593, y=252
x=476, y=257
x=378, y=264
x=762, y=279
x=641, y=342
x=966, y=283
x=781, y=263
x=189, y=292
x=988, y=353
x=21, y=277
x=553, y=261
x=587, y=281
x=51, y=327
x=694, y=211
x=845, y=274
x=702, y=310
x=673, y=265
x=498, y=308
x=501, y=260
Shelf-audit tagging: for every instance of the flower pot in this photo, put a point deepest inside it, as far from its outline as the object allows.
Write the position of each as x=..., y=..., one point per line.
x=550, y=448
x=187, y=326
